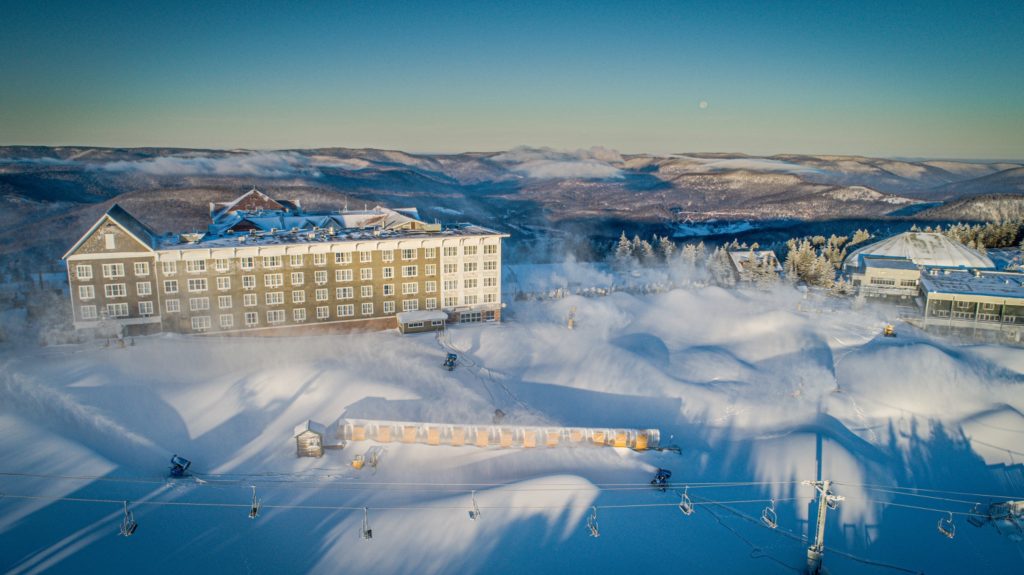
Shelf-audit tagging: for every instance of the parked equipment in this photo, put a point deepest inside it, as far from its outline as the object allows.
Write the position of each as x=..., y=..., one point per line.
x=451, y=361
x=661, y=479
x=889, y=330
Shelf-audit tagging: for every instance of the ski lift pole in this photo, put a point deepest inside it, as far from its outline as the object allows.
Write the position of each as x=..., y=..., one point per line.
x=826, y=501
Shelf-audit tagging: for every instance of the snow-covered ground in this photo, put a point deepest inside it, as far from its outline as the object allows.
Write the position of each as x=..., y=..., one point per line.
x=757, y=395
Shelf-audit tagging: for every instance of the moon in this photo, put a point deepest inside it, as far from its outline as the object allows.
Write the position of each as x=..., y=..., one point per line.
x=703, y=105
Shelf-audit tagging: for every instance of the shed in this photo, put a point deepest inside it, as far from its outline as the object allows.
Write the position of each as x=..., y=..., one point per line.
x=421, y=321
x=309, y=439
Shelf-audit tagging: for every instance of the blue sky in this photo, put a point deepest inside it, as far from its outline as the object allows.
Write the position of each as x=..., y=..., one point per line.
x=910, y=79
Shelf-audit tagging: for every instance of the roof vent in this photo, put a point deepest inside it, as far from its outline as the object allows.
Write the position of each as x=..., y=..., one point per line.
x=241, y=239
x=190, y=238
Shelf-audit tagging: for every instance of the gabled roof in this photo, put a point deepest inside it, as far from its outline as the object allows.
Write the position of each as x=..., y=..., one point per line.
x=251, y=201
x=136, y=229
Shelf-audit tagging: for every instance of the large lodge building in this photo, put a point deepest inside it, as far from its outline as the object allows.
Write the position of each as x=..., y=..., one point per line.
x=266, y=266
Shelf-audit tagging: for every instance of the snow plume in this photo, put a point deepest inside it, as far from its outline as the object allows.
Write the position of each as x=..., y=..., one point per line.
x=258, y=164
x=546, y=163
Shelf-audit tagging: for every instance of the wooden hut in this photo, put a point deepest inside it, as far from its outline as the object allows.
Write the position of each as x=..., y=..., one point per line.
x=309, y=439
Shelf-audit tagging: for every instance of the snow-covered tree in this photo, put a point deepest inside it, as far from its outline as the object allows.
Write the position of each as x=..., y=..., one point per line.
x=666, y=248
x=624, y=250
x=688, y=256
x=647, y=255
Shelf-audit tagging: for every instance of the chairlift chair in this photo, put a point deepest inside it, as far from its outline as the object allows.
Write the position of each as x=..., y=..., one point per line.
x=474, y=513
x=769, y=517
x=257, y=504
x=685, y=505
x=592, y=523
x=179, y=466
x=128, y=524
x=976, y=517
x=946, y=526
x=366, y=533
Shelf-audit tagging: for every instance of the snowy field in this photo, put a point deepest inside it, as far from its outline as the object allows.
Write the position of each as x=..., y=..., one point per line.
x=757, y=395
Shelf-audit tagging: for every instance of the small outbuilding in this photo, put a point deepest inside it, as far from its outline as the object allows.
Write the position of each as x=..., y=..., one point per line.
x=421, y=321
x=309, y=439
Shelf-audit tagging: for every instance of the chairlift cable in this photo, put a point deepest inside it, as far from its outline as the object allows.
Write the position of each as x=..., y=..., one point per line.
x=993, y=495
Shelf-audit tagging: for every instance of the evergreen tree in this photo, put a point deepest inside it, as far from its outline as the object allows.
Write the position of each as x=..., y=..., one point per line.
x=647, y=256
x=624, y=250
x=688, y=255
x=667, y=248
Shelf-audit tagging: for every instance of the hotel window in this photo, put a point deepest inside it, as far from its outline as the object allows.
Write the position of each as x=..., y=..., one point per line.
x=388, y=273
x=451, y=285
x=198, y=303
x=469, y=283
x=410, y=305
x=490, y=266
x=471, y=299
x=320, y=277
x=173, y=306
x=408, y=254
x=298, y=296
x=83, y=272
x=249, y=300
x=469, y=267
x=323, y=312
x=295, y=261
x=451, y=268
x=321, y=294
x=89, y=312
x=908, y=283
x=490, y=249
x=299, y=314
x=142, y=268
x=367, y=309
x=451, y=251
x=430, y=287
x=344, y=293
x=86, y=292
x=366, y=274
x=451, y=301
x=429, y=253
x=410, y=288
x=271, y=261
x=227, y=320
x=224, y=282
x=386, y=256
x=469, y=250
x=117, y=310
x=197, y=284
x=389, y=290
x=145, y=308
x=342, y=275
x=275, y=298
x=319, y=259
x=430, y=270
x=490, y=298
x=275, y=316
x=143, y=288
x=201, y=323
x=169, y=268
x=273, y=280
x=113, y=270
x=170, y=286
x=343, y=258
x=298, y=278
x=365, y=291
x=224, y=302
x=410, y=271
x=115, y=290
x=490, y=282
x=389, y=307
x=252, y=318
x=365, y=257
x=222, y=265
x=247, y=263
x=988, y=306
x=195, y=266
x=108, y=241
x=346, y=310
x=249, y=282
x=963, y=304
x=430, y=303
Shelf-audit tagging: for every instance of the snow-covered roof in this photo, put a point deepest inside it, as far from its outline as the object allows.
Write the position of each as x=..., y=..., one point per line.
x=310, y=425
x=889, y=263
x=740, y=257
x=138, y=230
x=407, y=317
x=973, y=282
x=924, y=249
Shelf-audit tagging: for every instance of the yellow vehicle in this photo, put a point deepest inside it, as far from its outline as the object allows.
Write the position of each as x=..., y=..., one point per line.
x=359, y=462
x=889, y=330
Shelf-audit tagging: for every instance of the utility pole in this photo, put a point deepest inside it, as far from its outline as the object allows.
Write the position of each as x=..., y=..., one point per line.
x=826, y=501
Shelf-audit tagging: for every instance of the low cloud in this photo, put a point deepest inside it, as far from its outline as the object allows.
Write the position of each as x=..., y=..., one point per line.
x=258, y=164
x=752, y=164
x=546, y=163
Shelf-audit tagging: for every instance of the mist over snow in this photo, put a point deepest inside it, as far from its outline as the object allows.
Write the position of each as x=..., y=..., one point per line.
x=546, y=163
x=758, y=389
x=256, y=164
x=751, y=164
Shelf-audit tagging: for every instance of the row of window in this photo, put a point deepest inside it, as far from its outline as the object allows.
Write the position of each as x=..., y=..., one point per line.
x=453, y=251
x=110, y=271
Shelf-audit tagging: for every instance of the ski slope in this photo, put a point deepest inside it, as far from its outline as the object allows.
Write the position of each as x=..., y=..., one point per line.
x=757, y=395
